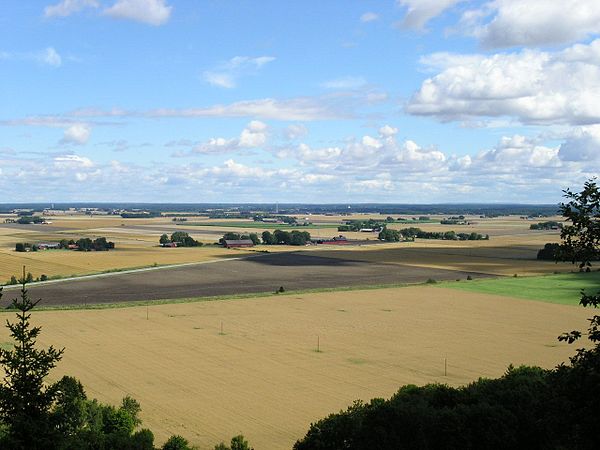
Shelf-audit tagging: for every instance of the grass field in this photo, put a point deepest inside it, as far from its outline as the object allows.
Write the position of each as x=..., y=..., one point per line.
x=263, y=377
x=561, y=288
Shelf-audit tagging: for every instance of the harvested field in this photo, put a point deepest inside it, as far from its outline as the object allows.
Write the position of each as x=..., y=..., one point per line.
x=261, y=273
x=262, y=377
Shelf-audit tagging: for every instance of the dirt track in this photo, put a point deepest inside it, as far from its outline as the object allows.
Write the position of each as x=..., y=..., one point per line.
x=263, y=273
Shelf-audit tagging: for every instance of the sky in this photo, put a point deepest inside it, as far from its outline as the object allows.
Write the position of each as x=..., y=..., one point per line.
x=338, y=101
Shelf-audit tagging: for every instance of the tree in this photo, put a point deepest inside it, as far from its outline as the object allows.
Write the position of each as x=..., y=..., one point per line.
x=237, y=443
x=389, y=235
x=254, y=238
x=176, y=442
x=268, y=238
x=164, y=239
x=25, y=400
x=581, y=245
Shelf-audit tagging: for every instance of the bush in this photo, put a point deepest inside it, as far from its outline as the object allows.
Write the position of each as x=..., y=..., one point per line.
x=176, y=442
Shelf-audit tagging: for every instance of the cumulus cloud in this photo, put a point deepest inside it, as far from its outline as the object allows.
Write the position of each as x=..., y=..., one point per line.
x=419, y=12
x=509, y=23
x=369, y=17
x=375, y=167
x=226, y=75
x=151, y=12
x=78, y=134
x=65, y=8
x=531, y=85
x=254, y=135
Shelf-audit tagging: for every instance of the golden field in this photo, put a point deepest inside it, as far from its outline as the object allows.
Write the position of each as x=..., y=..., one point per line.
x=510, y=249
x=263, y=376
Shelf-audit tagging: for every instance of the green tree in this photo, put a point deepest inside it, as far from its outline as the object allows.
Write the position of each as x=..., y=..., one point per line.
x=164, y=239
x=237, y=443
x=254, y=238
x=389, y=235
x=25, y=399
x=176, y=442
x=581, y=244
x=268, y=238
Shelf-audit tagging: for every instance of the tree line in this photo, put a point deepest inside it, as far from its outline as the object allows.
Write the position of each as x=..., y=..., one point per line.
x=83, y=244
x=549, y=225
x=179, y=239
x=277, y=237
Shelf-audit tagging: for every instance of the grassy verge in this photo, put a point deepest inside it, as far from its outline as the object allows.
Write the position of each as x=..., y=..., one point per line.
x=561, y=288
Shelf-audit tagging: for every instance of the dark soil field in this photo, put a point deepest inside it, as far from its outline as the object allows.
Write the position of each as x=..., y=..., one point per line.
x=257, y=274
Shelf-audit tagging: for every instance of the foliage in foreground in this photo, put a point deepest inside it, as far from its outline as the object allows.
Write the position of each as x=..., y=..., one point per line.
x=526, y=408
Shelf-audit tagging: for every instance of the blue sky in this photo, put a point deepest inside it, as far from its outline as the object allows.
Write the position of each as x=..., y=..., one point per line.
x=406, y=101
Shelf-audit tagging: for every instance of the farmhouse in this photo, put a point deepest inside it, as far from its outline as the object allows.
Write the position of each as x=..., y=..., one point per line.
x=238, y=243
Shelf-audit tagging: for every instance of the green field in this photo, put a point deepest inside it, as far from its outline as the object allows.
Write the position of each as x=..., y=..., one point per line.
x=561, y=288
x=259, y=225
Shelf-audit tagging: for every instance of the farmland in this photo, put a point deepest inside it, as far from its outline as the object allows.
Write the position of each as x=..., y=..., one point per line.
x=511, y=249
x=561, y=288
x=213, y=352
x=193, y=380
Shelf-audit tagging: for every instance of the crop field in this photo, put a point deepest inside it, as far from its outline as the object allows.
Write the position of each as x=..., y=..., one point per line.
x=511, y=249
x=562, y=288
x=261, y=273
x=210, y=370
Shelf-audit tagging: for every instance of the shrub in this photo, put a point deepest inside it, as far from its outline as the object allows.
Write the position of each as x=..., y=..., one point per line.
x=176, y=442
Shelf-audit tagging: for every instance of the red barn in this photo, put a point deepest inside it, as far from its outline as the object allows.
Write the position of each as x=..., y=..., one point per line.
x=238, y=243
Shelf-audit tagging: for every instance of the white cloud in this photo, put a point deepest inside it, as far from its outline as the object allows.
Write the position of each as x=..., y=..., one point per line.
x=369, y=17
x=509, y=23
x=226, y=75
x=77, y=134
x=388, y=131
x=252, y=136
x=419, y=12
x=583, y=144
x=72, y=162
x=345, y=83
x=530, y=85
x=67, y=7
x=50, y=57
x=152, y=12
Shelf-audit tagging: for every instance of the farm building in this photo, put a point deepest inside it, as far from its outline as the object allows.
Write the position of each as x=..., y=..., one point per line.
x=238, y=243
x=48, y=245
x=337, y=240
